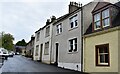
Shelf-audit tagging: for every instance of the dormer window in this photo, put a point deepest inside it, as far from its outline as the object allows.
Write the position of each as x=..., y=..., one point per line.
x=105, y=18
x=97, y=21
x=102, y=19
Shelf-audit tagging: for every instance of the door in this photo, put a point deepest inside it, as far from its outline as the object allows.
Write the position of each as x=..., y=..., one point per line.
x=57, y=46
x=41, y=50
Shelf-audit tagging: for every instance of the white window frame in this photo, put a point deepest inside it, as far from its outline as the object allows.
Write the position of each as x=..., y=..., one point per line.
x=106, y=18
x=37, y=50
x=38, y=36
x=47, y=31
x=73, y=45
x=59, y=29
x=46, y=49
x=73, y=20
x=98, y=55
x=96, y=21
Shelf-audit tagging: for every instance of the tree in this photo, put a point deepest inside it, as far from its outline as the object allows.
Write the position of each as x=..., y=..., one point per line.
x=7, y=41
x=0, y=39
x=21, y=43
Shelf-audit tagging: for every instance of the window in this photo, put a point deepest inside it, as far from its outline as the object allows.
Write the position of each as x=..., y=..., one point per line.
x=46, y=51
x=73, y=21
x=73, y=45
x=47, y=31
x=102, y=19
x=59, y=28
x=102, y=55
x=105, y=18
x=97, y=21
x=38, y=35
x=37, y=48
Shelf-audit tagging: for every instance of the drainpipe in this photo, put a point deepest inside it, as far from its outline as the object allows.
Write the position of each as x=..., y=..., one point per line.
x=81, y=38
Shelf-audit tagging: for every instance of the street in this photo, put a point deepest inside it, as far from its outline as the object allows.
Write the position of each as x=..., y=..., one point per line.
x=19, y=63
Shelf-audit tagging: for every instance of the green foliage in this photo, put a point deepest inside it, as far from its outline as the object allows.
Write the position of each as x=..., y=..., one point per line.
x=7, y=41
x=21, y=43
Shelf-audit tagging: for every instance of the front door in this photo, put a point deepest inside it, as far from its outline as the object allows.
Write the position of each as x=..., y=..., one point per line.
x=41, y=48
x=57, y=46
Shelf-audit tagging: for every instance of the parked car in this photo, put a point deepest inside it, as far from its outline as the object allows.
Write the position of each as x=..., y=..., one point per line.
x=11, y=54
x=17, y=53
x=4, y=53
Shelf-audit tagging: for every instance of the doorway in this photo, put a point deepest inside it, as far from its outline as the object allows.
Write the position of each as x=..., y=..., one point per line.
x=57, y=47
x=41, y=50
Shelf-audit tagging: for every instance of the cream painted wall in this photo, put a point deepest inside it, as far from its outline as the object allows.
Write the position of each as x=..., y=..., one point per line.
x=119, y=51
x=89, y=52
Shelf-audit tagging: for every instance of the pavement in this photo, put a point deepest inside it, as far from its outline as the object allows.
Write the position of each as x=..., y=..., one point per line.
x=20, y=63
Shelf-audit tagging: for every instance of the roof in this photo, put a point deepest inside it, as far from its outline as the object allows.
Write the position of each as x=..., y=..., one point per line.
x=115, y=22
x=58, y=19
x=32, y=39
x=66, y=16
x=117, y=4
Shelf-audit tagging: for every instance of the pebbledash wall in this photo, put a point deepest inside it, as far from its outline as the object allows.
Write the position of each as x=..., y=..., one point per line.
x=36, y=43
x=44, y=39
x=66, y=59
x=110, y=36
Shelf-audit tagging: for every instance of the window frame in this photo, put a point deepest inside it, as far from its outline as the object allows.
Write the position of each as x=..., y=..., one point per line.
x=59, y=29
x=38, y=36
x=46, y=48
x=37, y=50
x=101, y=18
x=74, y=45
x=97, y=21
x=47, y=34
x=73, y=20
x=108, y=17
x=97, y=55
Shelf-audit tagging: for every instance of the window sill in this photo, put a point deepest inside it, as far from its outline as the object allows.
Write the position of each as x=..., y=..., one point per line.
x=97, y=29
x=73, y=52
x=103, y=64
x=47, y=36
x=46, y=54
x=58, y=34
x=73, y=28
x=106, y=26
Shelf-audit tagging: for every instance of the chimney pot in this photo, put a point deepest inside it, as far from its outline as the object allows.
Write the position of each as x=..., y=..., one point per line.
x=48, y=21
x=53, y=18
x=73, y=6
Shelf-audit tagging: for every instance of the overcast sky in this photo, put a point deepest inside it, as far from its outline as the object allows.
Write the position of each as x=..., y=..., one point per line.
x=22, y=18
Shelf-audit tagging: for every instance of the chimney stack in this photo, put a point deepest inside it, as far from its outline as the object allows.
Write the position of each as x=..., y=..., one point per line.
x=48, y=22
x=53, y=18
x=73, y=6
x=32, y=37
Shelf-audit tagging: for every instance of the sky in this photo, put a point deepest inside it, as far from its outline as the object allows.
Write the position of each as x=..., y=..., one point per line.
x=22, y=18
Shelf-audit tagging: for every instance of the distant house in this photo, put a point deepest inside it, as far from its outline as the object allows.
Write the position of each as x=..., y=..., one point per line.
x=20, y=49
x=67, y=36
x=30, y=47
x=101, y=40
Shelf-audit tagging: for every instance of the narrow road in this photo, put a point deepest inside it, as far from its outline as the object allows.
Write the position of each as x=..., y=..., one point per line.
x=19, y=63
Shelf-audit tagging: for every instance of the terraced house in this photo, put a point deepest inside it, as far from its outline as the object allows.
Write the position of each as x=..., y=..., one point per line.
x=85, y=39
x=67, y=36
x=101, y=40
x=43, y=42
x=30, y=47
